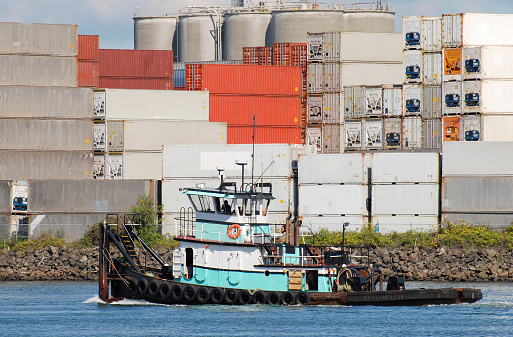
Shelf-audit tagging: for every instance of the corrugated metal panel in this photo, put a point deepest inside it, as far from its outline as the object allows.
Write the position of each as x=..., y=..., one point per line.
x=353, y=135
x=373, y=133
x=477, y=159
x=413, y=67
x=432, y=34
x=18, y=165
x=45, y=102
x=412, y=32
x=136, y=63
x=331, y=169
x=471, y=128
x=452, y=98
x=478, y=194
x=142, y=165
x=315, y=78
x=362, y=47
x=88, y=48
x=265, y=56
x=250, y=55
x=495, y=96
x=412, y=99
x=354, y=102
x=179, y=77
x=432, y=68
x=431, y=102
x=401, y=224
x=451, y=30
x=147, y=83
x=332, y=199
x=264, y=135
x=393, y=101
x=332, y=77
x=290, y=54
x=88, y=74
x=363, y=73
x=152, y=135
x=5, y=196
x=373, y=101
x=432, y=134
x=193, y=161
x=499, y=220
x=392, y=133
x=38, y=39
x=497, y=128
x=412, y=133
x=333, y=107
x=487, y=62
x=416, y=199
x=404, y=168
x=244, y=79
x=266, y=110
x=87, y=196
x=42, y=134
x=154, y=104
x=332, y=223
x=314, y=136
x=331, y=140
x=41, y=71
x=315, y=109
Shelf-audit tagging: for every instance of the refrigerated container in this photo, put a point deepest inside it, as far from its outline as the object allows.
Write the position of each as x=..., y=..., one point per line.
x=333, y=108
x=392, y=133
x=315, y=48
x=403, y=167
x=344, y=168
x=100, y=136
x=452, y=129
x=497, y=127
x=142, y=165
x=314, y=136
x=115, y=136
x=315, y=223
x=314, y=109
x=315, y=78
x=487, y=62
x=373, y=133
x=471, y=128
x=338, y=200
x=353, y=135
x=354, y=102
x=452, y=64
x=432, y=34
x=432, y=102
x=453, y=101
x=114, y=166
x=331, y=140
x=404, y=223
x=412, y=133
x=483, y=96
x=412, y=100
x=413, y=64
x=432, y=68
x=432, y=134
x=373, y=101
x=392, y=101
x=99, y=166
x=412, y=32
x=339, y=75
x=407, y=199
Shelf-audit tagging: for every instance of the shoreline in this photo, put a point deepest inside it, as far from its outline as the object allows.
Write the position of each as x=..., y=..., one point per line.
x=421, y=264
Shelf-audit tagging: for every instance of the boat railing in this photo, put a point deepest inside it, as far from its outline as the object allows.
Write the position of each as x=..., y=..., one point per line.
x=185, y=223
x=320, y=256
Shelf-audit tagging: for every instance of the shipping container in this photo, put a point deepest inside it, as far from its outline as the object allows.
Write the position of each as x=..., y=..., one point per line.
x=483, y=96
x=44, y=134
x=46, y=102
x=152, y=135
x=5, y=196
x=478, y=194
x=338, y=200
x=392, y=101
x=477, y=29
x=88, y=48
x=338, y=169
x=145, y=83
x=264, y=135
x=142, y=165
x=373, y=133
x=452, y=96
x=179, y=79
x=487, y=219
x=432, y=68
x=244, y=110
x=315, y=78
x=88, y=74
x=412, y=32
x=412, y=99
x=373, y=101
x=333, y=108
x=487, y=62
x=119, y=104
x=403, y=167
x=413, y=64
x=331, y=138
x=38, y=39
x=452, y=129
x=290, y=54
x=477, y=159
x=354, y=102
x=415, y=199
x=100, y=136
x=244, y=79
x=250, y=55
x=31, y=165
x=115, y=136
x=40, y=71
x=99, y=166
x=136, y=63
x=114, y=166
x=86, y=196
x=432, y=134
x=432, y=34
x=360, y=73
x=392, y=131
x=412, y=133
x=431, y=102
x=497, y=128
x=314, y=109
x=265, y=56
x=361, y=47
x=471, y=128
x=353, y=135
x=452, y=64
x=314, y=136
x=313, y=224
x=403, y=223
x=315, y=48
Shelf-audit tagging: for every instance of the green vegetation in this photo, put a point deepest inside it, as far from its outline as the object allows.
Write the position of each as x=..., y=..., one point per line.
x=44, y=240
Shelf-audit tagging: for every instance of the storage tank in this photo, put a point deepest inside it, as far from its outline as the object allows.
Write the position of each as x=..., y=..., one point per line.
x=198, y=36
x=243, y=29
x=154, y=32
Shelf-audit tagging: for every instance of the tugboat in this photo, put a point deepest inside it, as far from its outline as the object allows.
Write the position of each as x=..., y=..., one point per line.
x=230, y=254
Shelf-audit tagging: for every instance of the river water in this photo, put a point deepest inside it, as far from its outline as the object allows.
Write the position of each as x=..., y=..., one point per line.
x=74, y=309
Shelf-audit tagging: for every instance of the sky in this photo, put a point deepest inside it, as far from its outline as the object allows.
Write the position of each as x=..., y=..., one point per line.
x=112, y=20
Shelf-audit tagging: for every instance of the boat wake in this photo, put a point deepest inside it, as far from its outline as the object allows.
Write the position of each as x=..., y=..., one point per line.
x=96, y=299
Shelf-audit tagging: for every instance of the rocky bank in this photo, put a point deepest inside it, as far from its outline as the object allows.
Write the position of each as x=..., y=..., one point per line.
x=442, y=264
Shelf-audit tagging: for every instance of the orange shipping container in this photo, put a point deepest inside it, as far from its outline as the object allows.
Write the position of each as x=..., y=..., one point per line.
x=452, y=128
x=263, y=135
x=268, y=110
x=88, y=74
x=136, y=83
x=250, y=55
x=244, y=79
x=265, y=56
x=88, y=47
x=452, y=61
x=136, y=63
x=290, y=54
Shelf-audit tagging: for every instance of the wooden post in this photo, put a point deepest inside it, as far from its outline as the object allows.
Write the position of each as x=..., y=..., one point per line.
x=103, y=264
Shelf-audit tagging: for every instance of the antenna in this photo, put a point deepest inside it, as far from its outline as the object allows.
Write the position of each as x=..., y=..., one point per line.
x=242, y=163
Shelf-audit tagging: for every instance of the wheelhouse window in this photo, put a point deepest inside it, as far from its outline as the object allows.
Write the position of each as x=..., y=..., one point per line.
x=202, y=203
x=225, y=205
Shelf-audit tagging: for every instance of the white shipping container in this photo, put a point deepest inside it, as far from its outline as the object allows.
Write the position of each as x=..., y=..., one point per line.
x=353, y=135
x=392, y=130
x=477, y=29
x=483, y=96
x=313, y=224
x=142, y=165
x=331, y=138
x=46, y=102
x=487, y=62
x=432, y=34
x=314, y=109
x=413, y=65
x=344, y=168
x=115, y=136
x=471, y=128
x=401, y=168
x=332, y=199
x=416, y=199
x=38, y=39
x=373, y=101
x=99, y=104
x=432, y=68
x=354, y=102
x=400, y=224
x=412, y=99
x=114, y=166
x=367, y=73
x=152, y=135
x=38, y=71
x=392, y=101
x=99, y=137
x=99, y=166
x=431, y=102
x=432, y=134
x=412, y=32
x=314, y=136
x=497, y=128
x=315, y=47
x=315, y=78
x=176, y=105
x=478, y=158
x=412, y=133
x=452, y=96
x=333, y=107
x=373, y=131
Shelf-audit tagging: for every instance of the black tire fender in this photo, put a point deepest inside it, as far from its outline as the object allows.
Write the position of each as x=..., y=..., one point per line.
x=142, y=286
x=273, y=298
x=258, y=297
x=216, y=296
x=153, y=288
x=176, y=292
x=189, y=293
x=231, y=296
x=303, y=298
x=287, y=298
x=202, y=295
x=164, y=291
x=244, y=297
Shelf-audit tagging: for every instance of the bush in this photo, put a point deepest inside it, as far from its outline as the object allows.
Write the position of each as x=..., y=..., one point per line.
x=43, y=241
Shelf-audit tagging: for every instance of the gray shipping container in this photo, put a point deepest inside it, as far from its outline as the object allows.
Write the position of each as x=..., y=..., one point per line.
x=477, y=159
x=392, y=101
x=432, y=68
x=44, y=134
x=333, y=107
x=487, y=219
x=86, y=196
x=315, y=78
x=5, y=197
x=412, y=133
x=403, y=167
x=331, y=138
x=39, y=71
x=354, y=102
x=115, y=136
x=432, y=102
x=38, y=39
x=46, y=102
x=30, y=165
x=413, y=199
x=345, y=168
x=432, y=34
x=432, y=134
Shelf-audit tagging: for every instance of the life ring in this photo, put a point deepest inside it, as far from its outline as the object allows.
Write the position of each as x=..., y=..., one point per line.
x=233, y=235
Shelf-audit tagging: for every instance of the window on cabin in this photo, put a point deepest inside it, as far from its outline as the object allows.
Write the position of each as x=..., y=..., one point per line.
x=225, y=205
x=202, y=203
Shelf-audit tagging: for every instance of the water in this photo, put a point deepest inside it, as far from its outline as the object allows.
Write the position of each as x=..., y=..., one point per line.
x=74, y=309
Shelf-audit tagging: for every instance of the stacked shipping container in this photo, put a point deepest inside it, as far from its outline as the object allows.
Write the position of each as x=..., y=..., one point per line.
x=88, y=63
